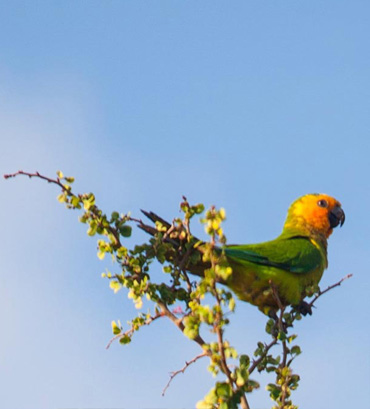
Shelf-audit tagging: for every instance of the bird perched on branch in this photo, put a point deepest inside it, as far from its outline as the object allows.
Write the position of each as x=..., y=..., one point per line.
x=291, y=263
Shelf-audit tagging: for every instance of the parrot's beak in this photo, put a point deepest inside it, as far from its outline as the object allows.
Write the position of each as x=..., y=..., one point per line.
x=336, y=216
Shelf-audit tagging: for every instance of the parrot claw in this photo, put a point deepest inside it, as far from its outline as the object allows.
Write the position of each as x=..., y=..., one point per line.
x=304, y=308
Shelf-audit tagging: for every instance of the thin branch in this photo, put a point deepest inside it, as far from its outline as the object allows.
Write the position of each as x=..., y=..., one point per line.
x=168, y=232
x=224, y=366
x=182, y=370
x=185, y=258
x=57, y=182
x=118, y=336
x=165, y=311
x=188, y=282
x=38, y=175
x=330, y=288
x=281, y=326
x=130, y=331
x=259, y=360
x=179, y=323
x=280, y=305
x=244, y=403
x=285, y=348
x=218, y=329
x=109, y=228
x=182, y=268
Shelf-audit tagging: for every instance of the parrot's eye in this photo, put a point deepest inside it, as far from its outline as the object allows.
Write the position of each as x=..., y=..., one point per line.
x=322, y=203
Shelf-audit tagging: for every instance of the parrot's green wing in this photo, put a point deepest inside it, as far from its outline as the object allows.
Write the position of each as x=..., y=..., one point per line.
x=294, y=254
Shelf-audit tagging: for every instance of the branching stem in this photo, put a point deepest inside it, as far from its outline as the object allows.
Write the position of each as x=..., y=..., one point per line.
x=130, y=331
x=182, y=370
x=262, y=357
x=38, y=175
x=329, y=288
x=111, y=230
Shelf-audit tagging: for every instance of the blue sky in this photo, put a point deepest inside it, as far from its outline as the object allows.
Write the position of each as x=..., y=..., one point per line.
x=243, y=104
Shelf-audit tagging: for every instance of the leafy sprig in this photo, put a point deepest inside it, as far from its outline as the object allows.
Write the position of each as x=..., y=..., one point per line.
x=182, y=299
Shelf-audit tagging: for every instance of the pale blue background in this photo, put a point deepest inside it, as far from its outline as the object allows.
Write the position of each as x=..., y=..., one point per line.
x=241, y=104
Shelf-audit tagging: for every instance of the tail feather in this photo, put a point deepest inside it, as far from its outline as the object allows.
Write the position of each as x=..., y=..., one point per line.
x=177, y=244
x=153, y=231
x=155, y=218
x=148, y=229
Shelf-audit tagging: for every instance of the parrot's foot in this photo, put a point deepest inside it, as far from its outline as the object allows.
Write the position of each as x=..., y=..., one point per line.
x=304, y=308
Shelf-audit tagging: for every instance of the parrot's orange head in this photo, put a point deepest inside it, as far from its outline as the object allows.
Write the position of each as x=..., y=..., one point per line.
x=315, y=213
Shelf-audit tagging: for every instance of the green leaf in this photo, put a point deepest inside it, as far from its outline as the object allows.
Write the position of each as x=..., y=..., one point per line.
x=270, y=326
x=125, y=230
x=281, y=336
x=75, y=202
x=274, y=391
x=240, y=379
x=191, y=329
x=101, y=254
x=223, y=272
x=292, y=338
x=122, y=252
x=115, y=285
x=251, y=384
x=199, y=208
x=270, y=369
x=244, y=361
x=115, y=216
x=223, y=390
x=203, y=404
x=125, y=339
x=62, y=198
x=93, y=228
x=115, y=329
x=83, y=218
x=296, y=350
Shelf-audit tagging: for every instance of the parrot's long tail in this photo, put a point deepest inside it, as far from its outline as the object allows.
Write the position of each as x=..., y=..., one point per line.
x=154, y=218
x=178, y=244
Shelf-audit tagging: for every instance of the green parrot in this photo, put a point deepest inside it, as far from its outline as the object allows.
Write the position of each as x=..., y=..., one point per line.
x=292, y=262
